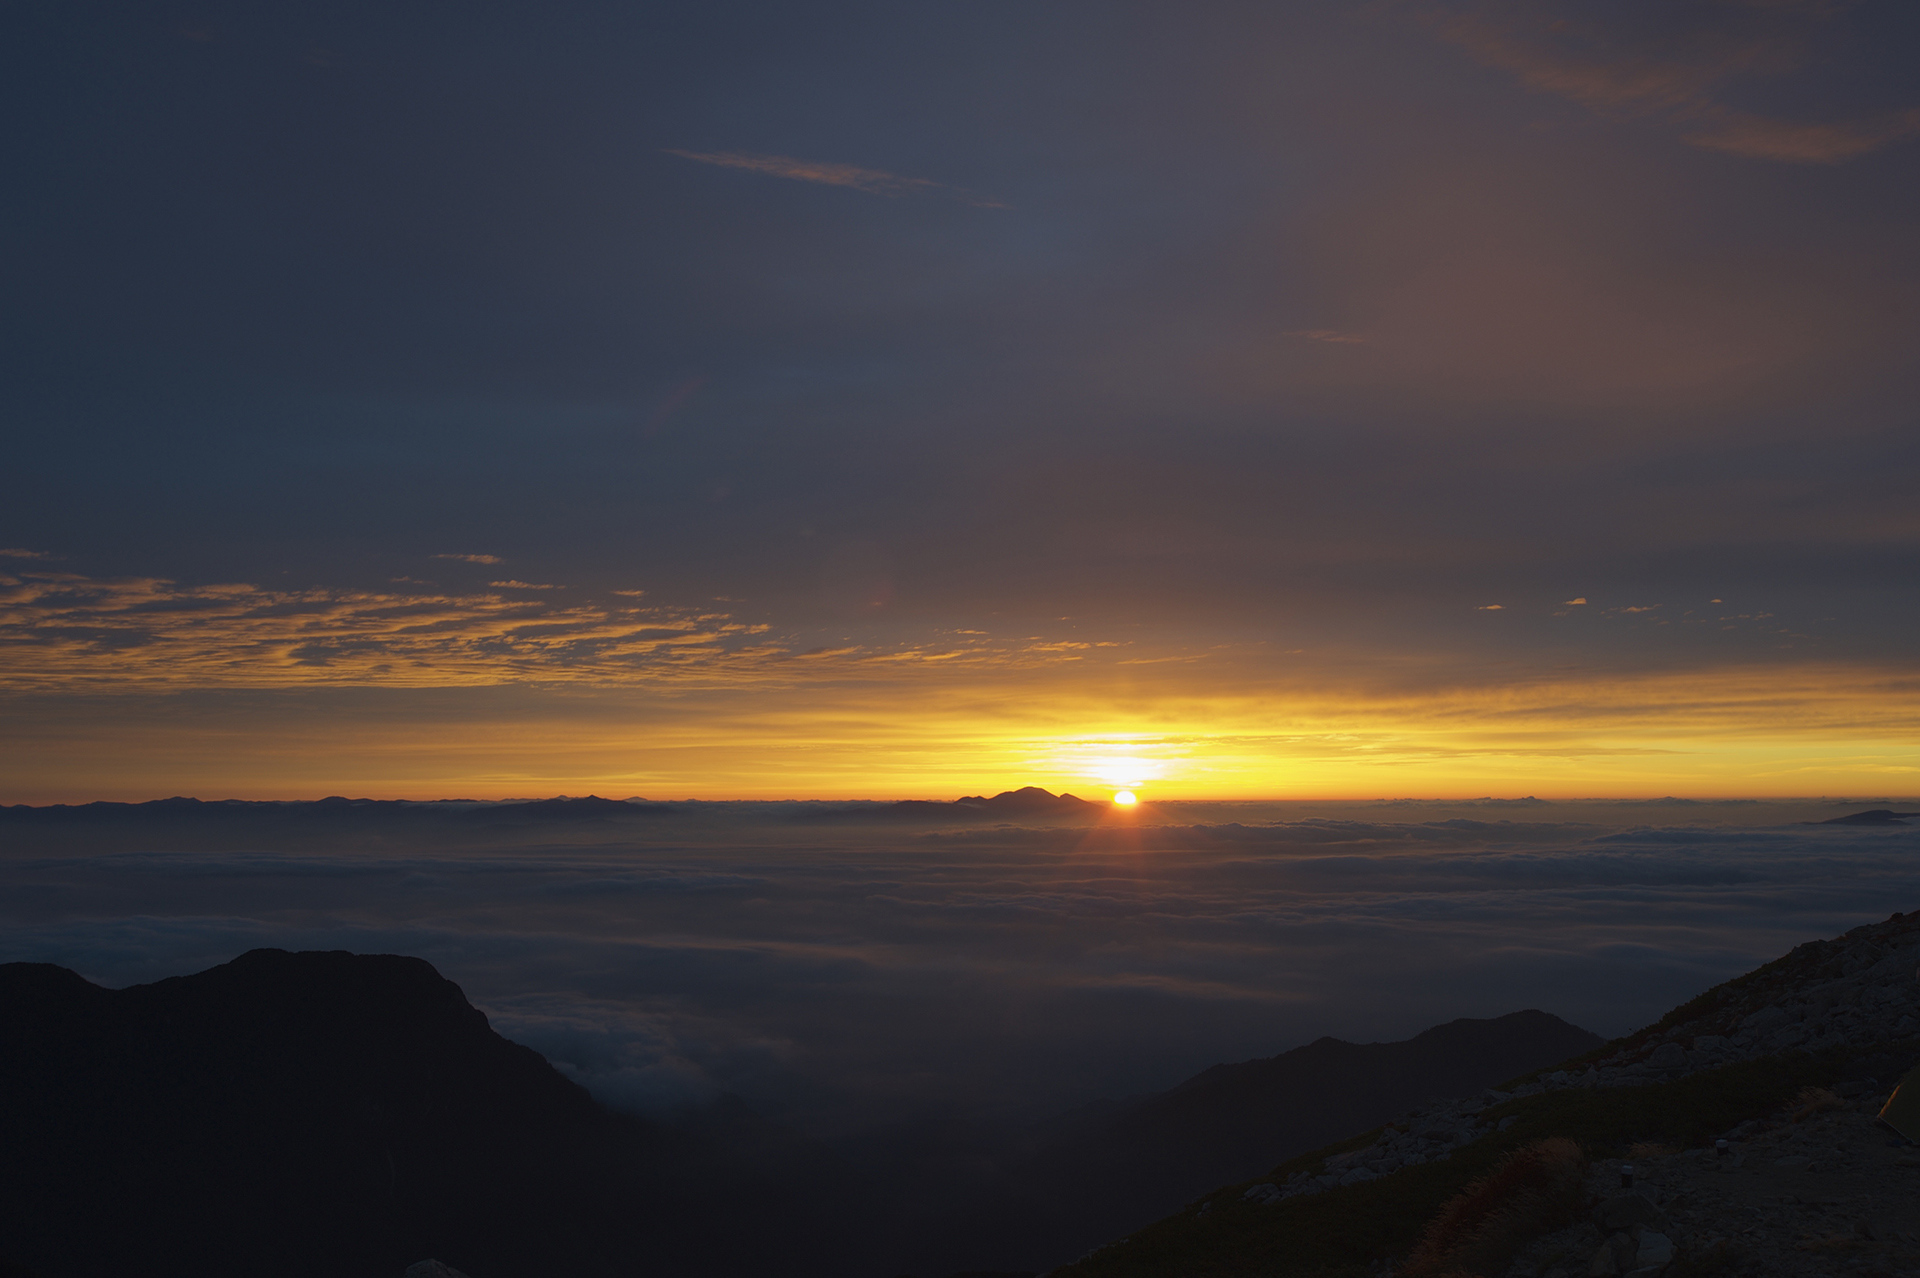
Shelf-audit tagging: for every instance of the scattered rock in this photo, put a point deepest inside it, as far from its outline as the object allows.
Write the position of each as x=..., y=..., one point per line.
x=1656, y=1250
x=1627, y=1211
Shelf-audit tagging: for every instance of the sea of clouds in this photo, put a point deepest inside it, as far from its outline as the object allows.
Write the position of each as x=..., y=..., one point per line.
x=839, y=976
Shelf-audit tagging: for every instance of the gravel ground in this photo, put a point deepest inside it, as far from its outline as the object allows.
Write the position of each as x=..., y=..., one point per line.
x=1831, y=1194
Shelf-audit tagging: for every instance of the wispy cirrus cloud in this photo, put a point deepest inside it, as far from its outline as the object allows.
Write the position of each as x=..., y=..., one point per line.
x=65, y=631
x=473, y=559
x=872, y=181
x=1679, y=76
x=1760, y=138
x=59, y=630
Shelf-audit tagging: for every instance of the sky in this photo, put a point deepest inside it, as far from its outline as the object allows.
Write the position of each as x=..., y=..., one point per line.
x=1296, y=400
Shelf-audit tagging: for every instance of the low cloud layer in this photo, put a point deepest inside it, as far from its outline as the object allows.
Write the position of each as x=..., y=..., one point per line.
x=840, y=978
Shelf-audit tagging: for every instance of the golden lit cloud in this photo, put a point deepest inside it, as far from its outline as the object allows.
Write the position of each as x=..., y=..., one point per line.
x=60, y=630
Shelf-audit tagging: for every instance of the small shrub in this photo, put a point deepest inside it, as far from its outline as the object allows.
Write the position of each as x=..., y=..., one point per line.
x=1534, y=1191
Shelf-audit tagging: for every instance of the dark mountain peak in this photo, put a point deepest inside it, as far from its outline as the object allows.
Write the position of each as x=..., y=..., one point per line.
x=39, y=995
x=1876, y=816
x=1027, y=799
x=1529, y=1024
x=374, y=981
x=356, y=1102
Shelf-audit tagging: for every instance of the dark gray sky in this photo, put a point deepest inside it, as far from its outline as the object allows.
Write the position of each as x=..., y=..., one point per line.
x=356, y=353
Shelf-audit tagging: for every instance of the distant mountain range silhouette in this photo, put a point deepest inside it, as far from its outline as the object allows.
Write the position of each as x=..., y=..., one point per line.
x=1877, y=816
x=334, y=807
x=1026, y=803
x=181, y=823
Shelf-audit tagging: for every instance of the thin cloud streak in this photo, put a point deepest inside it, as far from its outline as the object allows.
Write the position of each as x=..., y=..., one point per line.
x=872, y=181
x=1594, y=68
x=1332, y=335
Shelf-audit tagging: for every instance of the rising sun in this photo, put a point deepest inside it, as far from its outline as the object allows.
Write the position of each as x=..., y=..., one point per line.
x=1126, y=798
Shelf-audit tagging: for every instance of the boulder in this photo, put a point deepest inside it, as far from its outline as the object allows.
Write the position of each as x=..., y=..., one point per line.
x=1655, y=1252
x=1626, y=1211
x=433, y=1269
x=1614, y=1256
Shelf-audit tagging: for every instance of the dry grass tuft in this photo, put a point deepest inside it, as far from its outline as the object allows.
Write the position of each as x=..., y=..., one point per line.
x=1534, y=1191
x=1815, y=1100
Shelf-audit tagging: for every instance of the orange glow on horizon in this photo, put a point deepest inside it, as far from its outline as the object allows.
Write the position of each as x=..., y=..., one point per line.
x=1228, y=724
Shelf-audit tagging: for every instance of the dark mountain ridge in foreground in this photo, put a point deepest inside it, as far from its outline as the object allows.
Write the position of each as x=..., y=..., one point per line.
x=1746, y=1114
x=1230, y=1122
x=331, y=1113
x=326, y=1114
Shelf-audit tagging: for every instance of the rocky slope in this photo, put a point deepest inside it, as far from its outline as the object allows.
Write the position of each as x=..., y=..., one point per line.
x=1861, y=989
x=1232, y=1121
x=1788, y=1064
x=1818, y=1189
